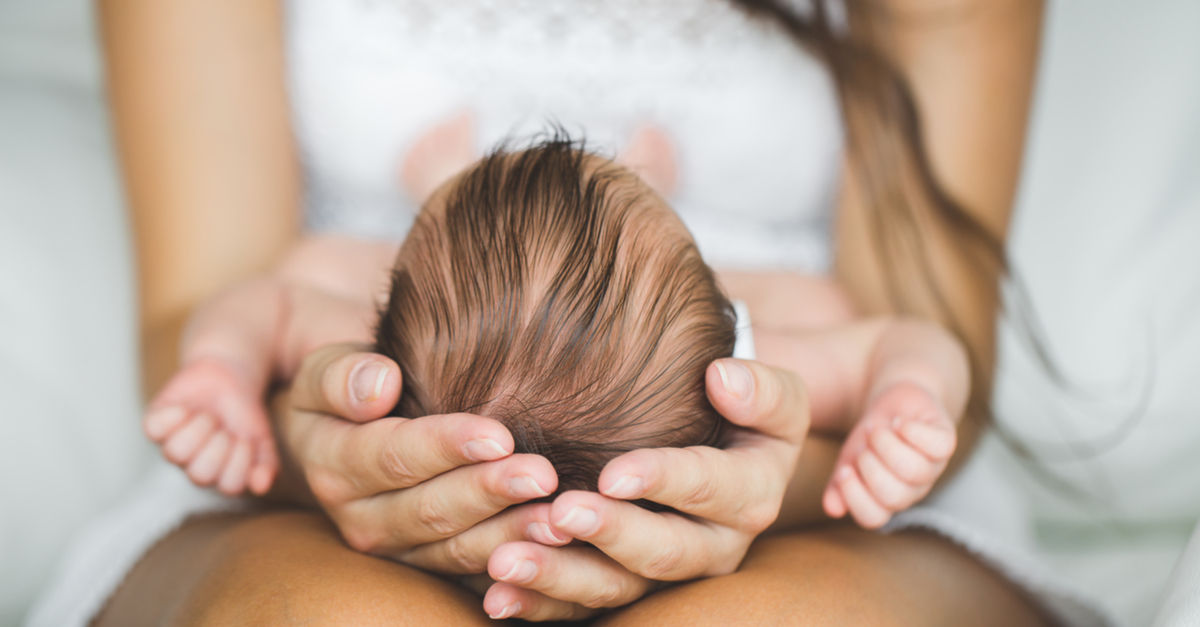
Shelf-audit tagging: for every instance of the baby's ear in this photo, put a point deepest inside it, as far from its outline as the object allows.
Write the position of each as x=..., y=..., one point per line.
x=651, y=155
x=445, y=150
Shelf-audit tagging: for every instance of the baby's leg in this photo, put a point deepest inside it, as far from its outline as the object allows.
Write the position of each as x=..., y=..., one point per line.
x=651, y=155
x=210, y=417
x=438, y=155
x=892, y=457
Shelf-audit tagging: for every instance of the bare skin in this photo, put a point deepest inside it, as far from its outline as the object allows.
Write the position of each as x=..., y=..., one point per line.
x=177, y=171
x=283, y=568
x=290, y=568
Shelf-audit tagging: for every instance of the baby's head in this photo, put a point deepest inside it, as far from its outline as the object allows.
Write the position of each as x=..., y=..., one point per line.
x=554, y=291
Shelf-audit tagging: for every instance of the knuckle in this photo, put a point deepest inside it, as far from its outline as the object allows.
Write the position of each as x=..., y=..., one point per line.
x=756, y=518
x=361, y=538
x=460, y=557
x=663, y=563
x=431, y=515
x=698, y=493
x=326, y=486
x=396, y=467
x=608, y=594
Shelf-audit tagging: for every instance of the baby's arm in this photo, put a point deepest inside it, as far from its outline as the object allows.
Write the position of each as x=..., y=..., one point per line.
x=896, y=388
x=210, y=417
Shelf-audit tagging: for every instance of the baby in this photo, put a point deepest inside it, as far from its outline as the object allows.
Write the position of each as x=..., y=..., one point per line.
x=556, y=292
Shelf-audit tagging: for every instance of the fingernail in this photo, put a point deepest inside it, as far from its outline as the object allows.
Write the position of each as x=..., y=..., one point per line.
x=542, y=533
x=627, y=487
x=161, y=421
x=579, y=521
x=484, y=450
x=843, y=474
x=366, y=382
x=525, y=487
x=736, y=378
x=522, y=572
x=506, y=611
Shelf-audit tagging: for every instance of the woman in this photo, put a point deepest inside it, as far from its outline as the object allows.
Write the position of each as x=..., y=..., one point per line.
x=203, y=123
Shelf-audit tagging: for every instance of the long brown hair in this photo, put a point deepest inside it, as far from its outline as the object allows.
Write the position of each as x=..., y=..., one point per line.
x=903, y=199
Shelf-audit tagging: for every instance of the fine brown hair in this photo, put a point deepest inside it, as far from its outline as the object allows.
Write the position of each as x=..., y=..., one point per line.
x=554, y=291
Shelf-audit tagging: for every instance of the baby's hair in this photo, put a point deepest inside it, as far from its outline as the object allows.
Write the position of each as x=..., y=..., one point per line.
x=553, y=291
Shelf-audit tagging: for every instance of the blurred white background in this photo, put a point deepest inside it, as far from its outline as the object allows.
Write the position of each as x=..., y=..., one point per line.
x=69, y=437
x=1107, y=235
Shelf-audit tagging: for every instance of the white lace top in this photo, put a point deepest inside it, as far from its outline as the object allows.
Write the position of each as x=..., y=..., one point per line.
x=752, y=117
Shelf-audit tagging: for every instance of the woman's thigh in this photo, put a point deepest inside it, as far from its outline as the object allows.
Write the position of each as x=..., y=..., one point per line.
x=279, y=568
x=843, y=576
x=291, y=567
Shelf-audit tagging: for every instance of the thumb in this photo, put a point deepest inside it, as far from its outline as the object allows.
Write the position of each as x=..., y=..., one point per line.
x=759, y=397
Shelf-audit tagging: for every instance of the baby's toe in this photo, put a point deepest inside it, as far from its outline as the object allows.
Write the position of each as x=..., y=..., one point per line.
x=183, y=444
x=161, y=422
x=206, y=465
x=887, y=489
x=906, y=462
x=262, y=474
x=237, y=469
x=832, y=501
x=935, y=440
x=862, y=506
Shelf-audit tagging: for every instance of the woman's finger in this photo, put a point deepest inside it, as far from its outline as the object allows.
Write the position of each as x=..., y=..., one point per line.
x=343, y=381
x=348, y=461
x=666, y=546
x=504, y=600
x=444, y=506
x=575, y=574
x=468, y=552
x=740, y=488
x=760, y=397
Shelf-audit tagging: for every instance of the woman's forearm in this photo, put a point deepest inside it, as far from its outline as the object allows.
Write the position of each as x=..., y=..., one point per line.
x=201, y=121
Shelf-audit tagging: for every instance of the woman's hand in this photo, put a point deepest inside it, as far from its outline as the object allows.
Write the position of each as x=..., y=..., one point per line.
x=726, y=498
x=433, y=492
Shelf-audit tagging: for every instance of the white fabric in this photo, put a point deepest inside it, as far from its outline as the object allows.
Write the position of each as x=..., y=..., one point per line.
x=69, y=439
x=113, y=543
x=1181, y=605
x=743, y=345
x=753, y=119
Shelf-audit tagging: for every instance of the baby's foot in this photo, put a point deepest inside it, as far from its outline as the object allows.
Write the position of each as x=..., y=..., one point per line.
x=438, y=155
x=212, y=423
x=651, y=155
x=892, y=457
